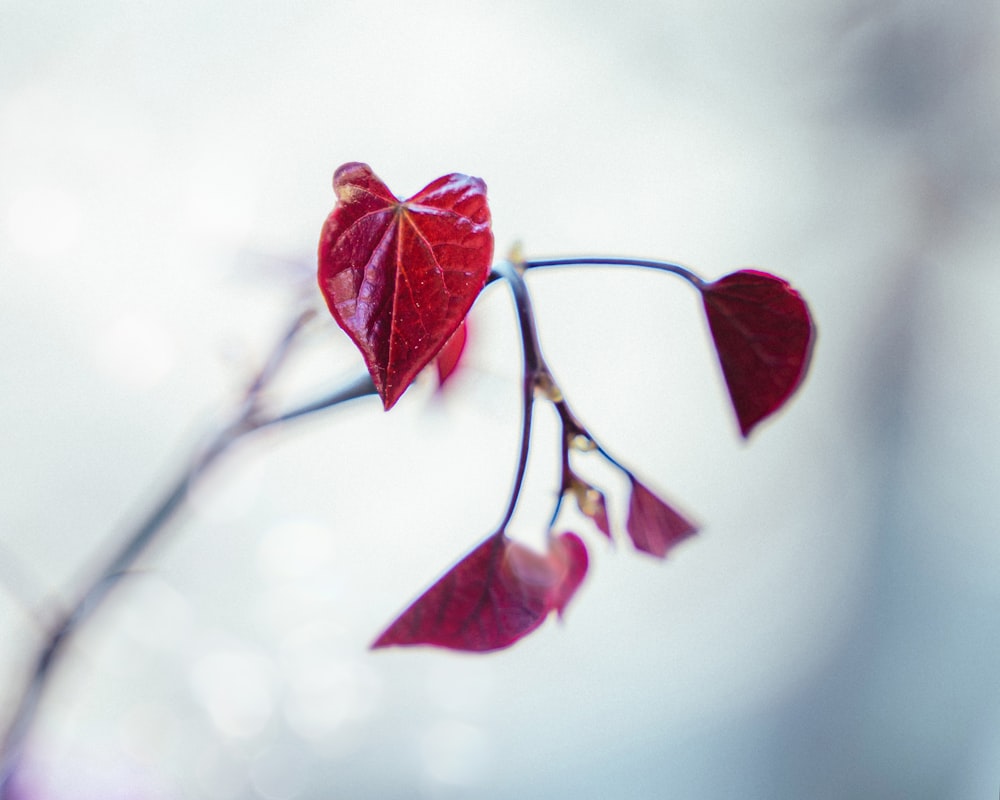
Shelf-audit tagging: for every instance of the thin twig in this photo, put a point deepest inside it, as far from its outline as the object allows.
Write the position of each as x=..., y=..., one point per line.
x=612, y=261
x=534, y=368
x=609, y=261
x=538, y=377
x=247, y=419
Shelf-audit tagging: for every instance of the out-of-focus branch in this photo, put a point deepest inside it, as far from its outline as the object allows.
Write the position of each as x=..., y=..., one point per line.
x=248, y=418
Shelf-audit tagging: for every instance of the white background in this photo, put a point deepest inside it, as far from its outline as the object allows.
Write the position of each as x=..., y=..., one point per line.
x=164, y=172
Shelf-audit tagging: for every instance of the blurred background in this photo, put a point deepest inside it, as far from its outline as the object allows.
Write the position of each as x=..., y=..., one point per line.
x=832, y=633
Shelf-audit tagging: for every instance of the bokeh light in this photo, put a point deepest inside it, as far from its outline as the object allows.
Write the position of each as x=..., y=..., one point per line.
x=829, y=634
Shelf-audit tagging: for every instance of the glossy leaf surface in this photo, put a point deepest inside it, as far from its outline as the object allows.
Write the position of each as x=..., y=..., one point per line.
x=400, y=276
x=763, y=334
x=493, y=597
x=653, y=526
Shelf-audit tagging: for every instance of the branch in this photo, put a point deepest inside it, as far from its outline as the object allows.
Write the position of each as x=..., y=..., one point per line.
x=609, y=261
x=536, y=373
x=538, y=377
x=247, y=419
x=662, y=266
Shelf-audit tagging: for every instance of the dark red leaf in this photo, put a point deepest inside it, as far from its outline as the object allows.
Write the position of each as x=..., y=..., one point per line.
x=493, y=597
x=763, y=334
x=400, y=276
x=451, y=354
x=653, y=526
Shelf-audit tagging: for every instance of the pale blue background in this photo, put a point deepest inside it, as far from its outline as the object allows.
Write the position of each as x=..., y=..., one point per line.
x=831, y=634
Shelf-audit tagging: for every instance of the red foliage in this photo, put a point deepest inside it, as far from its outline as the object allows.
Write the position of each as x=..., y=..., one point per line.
x=493, y=597
x=451, y=354
x=400, y=276
x=652, y=525
x=763, y=334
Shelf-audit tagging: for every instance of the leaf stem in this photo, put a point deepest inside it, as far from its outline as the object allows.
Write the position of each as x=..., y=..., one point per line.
x=535, y=372
x=246, y=420
x=612, y=261
x=361, y=386
x=538, y=377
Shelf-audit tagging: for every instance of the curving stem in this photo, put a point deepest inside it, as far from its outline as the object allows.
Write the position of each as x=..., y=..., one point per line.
x=536, y=375
x=537, y=379
x=613, y=261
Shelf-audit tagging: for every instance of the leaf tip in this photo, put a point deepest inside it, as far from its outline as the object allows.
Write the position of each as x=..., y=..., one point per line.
x=654, y=526
x=494, y=597
x=349, y=173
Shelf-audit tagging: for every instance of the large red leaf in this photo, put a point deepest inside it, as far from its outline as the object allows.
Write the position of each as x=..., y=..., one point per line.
x=400, y=276
x=493, y=597
x=652, y=525
x=763, y=334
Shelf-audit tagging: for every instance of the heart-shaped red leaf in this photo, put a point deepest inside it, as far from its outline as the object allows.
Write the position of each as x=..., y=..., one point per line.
x=493, y=597
x=763, y=334
x=400, y=276
x=652, y=525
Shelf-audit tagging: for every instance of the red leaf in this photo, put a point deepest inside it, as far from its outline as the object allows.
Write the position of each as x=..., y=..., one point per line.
x=493, y=597
x=600, y=515
x=400, y=276
x=653, y=526
x=763, y=334
x=591, y=503
x=451, y=354
x=568, y=549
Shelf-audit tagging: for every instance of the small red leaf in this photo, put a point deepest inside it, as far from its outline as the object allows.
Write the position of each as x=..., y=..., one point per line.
x=653, y=526
x=600, y=515
x=591, y=503
x=763, y=334
x=451, y=354
x=400, y=276
x=493, y=597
